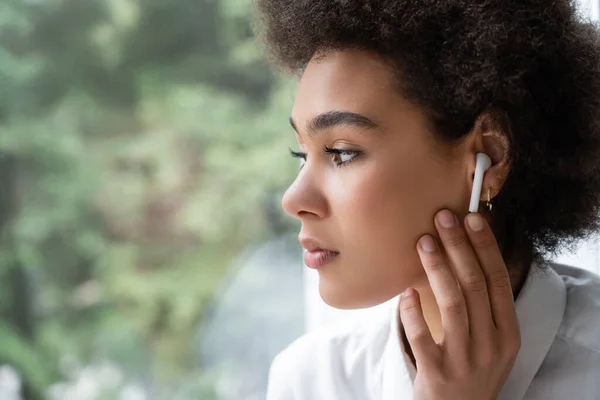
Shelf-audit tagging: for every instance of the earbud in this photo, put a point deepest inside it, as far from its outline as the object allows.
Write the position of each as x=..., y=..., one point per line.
x=482, y=165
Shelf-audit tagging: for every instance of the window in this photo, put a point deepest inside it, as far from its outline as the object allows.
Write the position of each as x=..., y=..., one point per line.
x=142, y=163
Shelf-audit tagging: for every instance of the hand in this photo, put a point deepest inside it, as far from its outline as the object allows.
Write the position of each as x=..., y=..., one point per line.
x=481, y=337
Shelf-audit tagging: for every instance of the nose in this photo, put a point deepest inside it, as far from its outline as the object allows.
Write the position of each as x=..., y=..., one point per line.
x=304, y=198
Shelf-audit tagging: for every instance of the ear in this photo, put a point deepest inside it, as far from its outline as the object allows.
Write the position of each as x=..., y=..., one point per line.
x=491, y=136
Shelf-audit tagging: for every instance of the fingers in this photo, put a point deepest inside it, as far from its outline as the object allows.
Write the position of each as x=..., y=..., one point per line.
x=447, y=294
x=472, y=288
x=417, y=332
x=470, y=276
x=496, y=274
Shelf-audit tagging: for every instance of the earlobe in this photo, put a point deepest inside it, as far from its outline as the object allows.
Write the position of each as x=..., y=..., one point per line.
x=482, y=164
x=495, y=176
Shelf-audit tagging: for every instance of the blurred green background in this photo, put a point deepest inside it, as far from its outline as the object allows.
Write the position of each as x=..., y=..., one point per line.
x=143, y=154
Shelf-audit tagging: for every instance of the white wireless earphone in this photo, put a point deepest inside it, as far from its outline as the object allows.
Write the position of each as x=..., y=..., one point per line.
x=482, y=164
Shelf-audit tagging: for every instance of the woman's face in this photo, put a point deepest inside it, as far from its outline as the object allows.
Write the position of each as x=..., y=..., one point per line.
x=372, y=202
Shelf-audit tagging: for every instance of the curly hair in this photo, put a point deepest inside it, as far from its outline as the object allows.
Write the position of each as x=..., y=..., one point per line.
x=537, y=61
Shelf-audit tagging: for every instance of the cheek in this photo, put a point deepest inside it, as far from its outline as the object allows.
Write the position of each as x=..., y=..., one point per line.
x=394, y=201
x=378, y=224
x=384, y=209
x=378, y=221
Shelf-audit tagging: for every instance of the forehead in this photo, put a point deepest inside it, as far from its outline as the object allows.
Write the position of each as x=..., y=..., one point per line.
x=353, y=81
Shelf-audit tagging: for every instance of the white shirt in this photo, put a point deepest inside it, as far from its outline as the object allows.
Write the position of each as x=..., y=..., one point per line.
x=559, y=316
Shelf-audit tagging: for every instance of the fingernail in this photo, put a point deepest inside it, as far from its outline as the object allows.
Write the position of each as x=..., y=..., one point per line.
x=428, y=244
x=408, y=292
x=475, y=222
x=446, y=219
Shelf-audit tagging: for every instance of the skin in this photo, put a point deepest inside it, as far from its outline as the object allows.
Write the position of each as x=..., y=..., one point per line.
x=375, y=208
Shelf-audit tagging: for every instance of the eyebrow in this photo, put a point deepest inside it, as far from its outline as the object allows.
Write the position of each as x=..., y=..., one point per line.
x=331, y=119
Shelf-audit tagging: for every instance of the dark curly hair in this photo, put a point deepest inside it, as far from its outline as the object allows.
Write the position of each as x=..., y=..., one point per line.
x=536, y=61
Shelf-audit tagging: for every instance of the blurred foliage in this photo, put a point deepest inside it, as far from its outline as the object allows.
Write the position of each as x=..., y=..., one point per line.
x=141, y=149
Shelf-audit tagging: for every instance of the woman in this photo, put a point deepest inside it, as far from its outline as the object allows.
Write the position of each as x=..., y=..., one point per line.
x=394, y=101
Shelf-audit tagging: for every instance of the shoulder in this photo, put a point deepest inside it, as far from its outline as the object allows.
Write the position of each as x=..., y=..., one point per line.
x=571, y=366
x=325, y=357
x=581, y=320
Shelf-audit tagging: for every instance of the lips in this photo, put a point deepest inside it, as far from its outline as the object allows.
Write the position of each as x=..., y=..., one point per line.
x=317, y=259
x=317, y=254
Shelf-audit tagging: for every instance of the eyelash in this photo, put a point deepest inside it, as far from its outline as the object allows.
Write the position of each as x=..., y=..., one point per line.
x=296, y=154
x=330, y=151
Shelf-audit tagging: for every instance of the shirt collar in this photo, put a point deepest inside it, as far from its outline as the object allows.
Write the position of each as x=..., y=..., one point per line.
x=540, y=307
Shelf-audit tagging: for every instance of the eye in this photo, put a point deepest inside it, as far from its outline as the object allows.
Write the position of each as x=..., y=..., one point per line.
x=341, y=157
x=301, y=156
